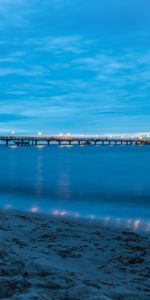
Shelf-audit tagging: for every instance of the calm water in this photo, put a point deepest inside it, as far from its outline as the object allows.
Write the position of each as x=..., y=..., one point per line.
x=105, y=182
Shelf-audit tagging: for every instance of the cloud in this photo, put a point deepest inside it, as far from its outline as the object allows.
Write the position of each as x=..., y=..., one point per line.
x=12, y=13
x=31, y=72
x=127, y=68
x=5, y=4
x=12, y=57
x=75, y=44
x=8, y=59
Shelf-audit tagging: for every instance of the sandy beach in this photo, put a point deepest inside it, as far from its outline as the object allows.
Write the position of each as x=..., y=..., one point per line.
x=46, y=257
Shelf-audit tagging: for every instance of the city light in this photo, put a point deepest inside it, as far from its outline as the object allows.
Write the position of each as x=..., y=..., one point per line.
x=39, y=133
x=12, y=132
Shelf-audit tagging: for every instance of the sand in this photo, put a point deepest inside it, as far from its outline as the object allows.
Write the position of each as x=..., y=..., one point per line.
x=46, y=257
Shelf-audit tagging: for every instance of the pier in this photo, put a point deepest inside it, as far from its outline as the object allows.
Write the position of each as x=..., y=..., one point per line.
x=71, y=140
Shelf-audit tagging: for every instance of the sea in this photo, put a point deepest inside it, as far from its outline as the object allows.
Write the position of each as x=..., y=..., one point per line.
x=109, y=183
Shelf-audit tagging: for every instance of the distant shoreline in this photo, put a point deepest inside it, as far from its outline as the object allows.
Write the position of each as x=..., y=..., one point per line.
x=48, y=257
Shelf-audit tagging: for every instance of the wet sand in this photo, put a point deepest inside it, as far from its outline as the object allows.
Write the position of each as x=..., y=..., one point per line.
x=44, y=258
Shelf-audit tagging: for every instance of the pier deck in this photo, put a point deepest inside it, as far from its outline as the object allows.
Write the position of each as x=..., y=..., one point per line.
x=73, y=140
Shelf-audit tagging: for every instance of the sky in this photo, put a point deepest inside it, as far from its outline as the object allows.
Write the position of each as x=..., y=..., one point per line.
x=74, y=66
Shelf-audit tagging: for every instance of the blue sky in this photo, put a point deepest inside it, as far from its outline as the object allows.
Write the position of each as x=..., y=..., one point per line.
x=74, y=66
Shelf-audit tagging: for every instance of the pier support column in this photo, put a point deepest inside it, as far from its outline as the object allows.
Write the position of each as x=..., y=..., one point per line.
x=48, y=142
x=36, y=142
x=7, y=143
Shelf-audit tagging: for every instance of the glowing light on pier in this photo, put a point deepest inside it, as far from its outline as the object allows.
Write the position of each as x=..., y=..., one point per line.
x=39, y=133
x=12, y=132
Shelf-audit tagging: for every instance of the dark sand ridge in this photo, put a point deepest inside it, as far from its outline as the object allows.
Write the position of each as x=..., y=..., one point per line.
x=45, y=257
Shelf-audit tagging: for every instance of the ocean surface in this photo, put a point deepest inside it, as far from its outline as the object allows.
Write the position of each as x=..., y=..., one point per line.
x=102, y=182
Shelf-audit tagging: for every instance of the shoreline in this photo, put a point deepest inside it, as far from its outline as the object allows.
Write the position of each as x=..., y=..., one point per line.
x=53, y=257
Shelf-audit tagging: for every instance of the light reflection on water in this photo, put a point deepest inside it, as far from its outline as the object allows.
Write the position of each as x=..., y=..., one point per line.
x=104, y=183
x=127, y=223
